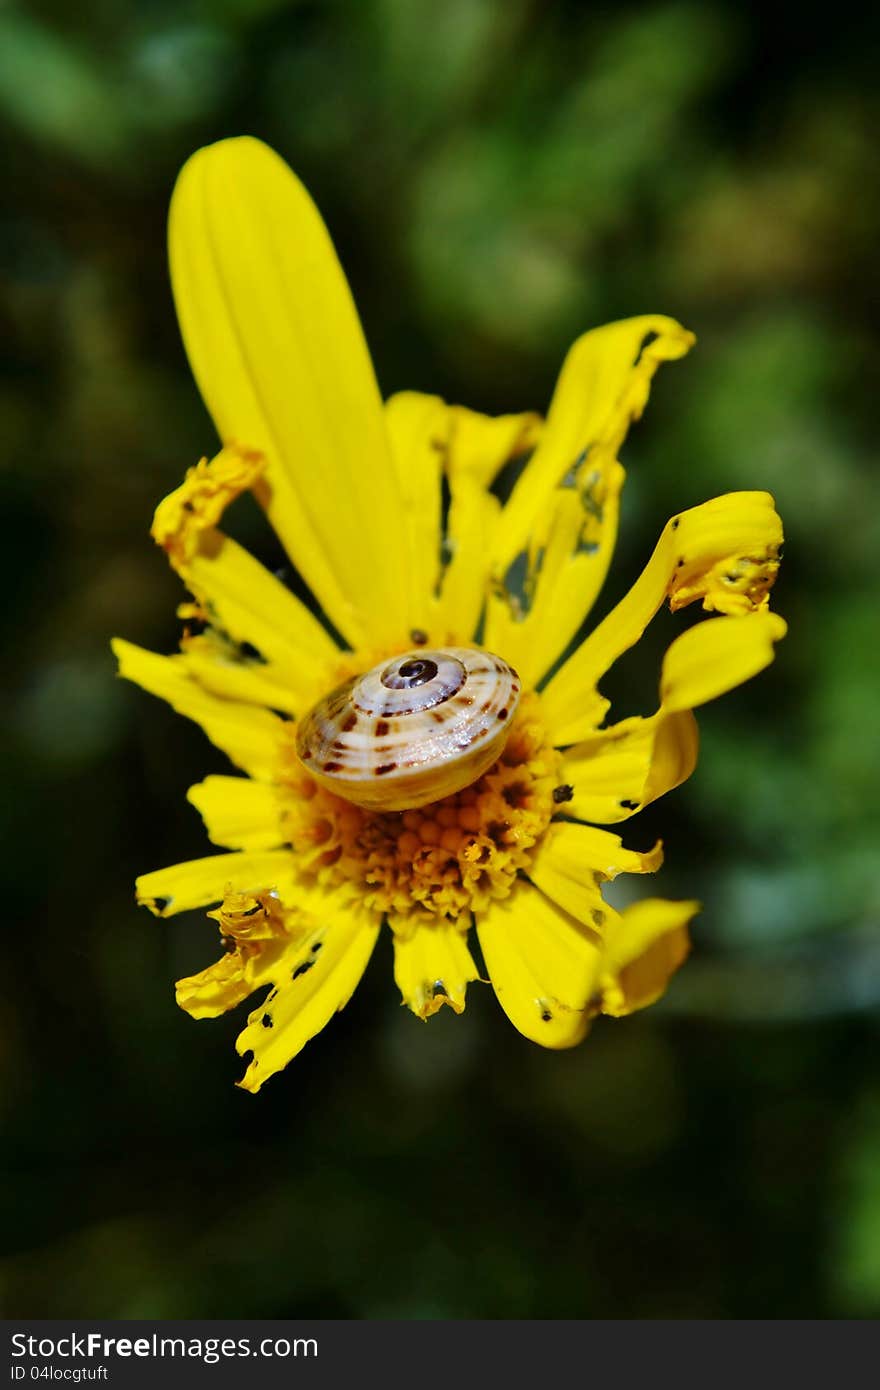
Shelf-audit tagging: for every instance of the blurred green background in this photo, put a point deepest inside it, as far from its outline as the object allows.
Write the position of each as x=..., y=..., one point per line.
x=498, y=175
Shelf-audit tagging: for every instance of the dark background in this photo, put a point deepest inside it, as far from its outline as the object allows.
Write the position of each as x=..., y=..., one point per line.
x=498, y=176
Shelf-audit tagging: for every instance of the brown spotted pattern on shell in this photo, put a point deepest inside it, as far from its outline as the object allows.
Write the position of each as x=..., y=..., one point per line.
x=415, y=728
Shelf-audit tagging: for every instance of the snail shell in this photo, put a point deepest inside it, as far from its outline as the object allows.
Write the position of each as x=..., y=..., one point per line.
x=413, y=729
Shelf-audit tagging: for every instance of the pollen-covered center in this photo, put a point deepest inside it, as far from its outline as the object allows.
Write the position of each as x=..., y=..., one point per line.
x=443, y=859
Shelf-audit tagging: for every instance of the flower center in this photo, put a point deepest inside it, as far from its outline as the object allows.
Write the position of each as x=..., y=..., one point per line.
x=445, y=859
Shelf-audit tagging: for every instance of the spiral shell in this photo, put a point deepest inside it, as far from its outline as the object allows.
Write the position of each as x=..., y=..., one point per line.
x=413, y=729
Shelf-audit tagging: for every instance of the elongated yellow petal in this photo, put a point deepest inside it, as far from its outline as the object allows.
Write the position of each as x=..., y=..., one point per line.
x=534, y=615
x=554, y=540
x=241, y=600
x=203, y=881
x=724, y=552
x=479, y=447
x=473, y=513
x=277, y=350
x=238, y=812
x=418, y=429
x=432, y=966
x=247, y=735
x=313, y=980
x=603, y=386
x=621, y=769
x=647, y=944
x=252, y=605
x=544, y=966
x=221, y=669
x=574, y=860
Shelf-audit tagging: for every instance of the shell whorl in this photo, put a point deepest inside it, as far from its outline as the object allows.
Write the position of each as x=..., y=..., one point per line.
x=412, y=730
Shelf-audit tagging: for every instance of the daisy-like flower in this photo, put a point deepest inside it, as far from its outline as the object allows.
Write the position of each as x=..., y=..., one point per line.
x=389, y=517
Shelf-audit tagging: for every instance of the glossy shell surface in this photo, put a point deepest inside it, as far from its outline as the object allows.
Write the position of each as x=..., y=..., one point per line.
x=417, y=727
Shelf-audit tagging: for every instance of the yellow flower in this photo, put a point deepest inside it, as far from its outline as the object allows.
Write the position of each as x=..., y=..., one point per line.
x=389, y=517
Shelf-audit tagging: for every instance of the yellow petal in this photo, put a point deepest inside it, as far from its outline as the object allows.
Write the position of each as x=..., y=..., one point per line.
x=544, y=966
x=646, y=946
x=418, y=430
x=432, y=966
x=547, y=594
x=242, y=601
x=555, y=537
x=214, y=990
x=703, y=553
x=251, y=605
x=574, y=860
x=603, y=386
x=256, y=932
x=473, y=513
x=202, y=881
x=479, y=447
x=249, y=736
x=277, y=349
x=238, y=812
x=197, y=505
x=716, y=655
x=221, y=668
x=313, y=980
x=623, y=768
x=228, y=982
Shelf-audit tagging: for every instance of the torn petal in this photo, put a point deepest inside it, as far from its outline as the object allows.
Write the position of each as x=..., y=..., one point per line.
x=314, y=978
x=549, y=588
x=603, y=386
x=199, y=882
x=255, y=931
x=432, y=965
x=544, y=966
x=478, y=448
x=248, y=604
x=574, y=860
x=623, y=768
x=555, y=537
x=618, y=770
x=214, y=990
x=202, y=498
x=696, y=550
x=646, y=945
